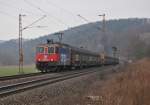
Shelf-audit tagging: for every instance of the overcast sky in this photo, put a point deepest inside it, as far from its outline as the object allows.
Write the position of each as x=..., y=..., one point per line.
x=62, y=14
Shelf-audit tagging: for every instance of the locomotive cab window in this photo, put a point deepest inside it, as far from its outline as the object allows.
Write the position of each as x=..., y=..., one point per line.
x=56, y=50
x=40, y=50
x=50, y=50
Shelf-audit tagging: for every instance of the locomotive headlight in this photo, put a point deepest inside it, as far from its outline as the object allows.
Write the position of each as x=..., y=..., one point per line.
x=45, y=56
x=52, y=59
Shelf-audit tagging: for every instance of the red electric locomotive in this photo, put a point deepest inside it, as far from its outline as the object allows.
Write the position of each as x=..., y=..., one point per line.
x=48, y=57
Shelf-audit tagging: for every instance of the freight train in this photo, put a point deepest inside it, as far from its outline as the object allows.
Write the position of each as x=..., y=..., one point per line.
x=58, y=56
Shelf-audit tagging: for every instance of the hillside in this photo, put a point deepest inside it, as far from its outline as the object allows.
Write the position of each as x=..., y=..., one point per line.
x=126, y=34
x=1, y=41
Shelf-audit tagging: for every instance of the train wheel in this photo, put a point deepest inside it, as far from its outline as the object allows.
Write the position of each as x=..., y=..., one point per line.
x=81, y=67
x=72, y=67
x=42, y=71
x=58, y=69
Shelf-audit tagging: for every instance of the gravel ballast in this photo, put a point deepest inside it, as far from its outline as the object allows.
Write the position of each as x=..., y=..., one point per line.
x=61, y=93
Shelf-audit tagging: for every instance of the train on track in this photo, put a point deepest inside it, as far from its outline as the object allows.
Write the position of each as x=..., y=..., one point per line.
x=58, y=56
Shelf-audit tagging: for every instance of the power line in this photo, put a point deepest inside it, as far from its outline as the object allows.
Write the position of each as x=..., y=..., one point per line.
x=61, y=8
x=34, y=22
x=83, y=18
x=13, y=6
x=9, y=15
x=43, y=11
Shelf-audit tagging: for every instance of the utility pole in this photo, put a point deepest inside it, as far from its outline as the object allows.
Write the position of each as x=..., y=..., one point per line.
x=104, y=40
x=114, y=48
x=20, y=39
x=20, y=45
x=104, y=22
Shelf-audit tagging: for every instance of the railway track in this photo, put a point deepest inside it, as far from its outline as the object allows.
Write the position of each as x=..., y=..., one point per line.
x=20, y=76
x=24, y=86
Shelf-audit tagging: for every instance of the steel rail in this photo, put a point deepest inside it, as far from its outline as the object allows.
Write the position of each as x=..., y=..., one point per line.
x=21, y=87
x=4, y=78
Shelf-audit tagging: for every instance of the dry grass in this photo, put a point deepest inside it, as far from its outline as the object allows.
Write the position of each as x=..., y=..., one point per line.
x=131, y=87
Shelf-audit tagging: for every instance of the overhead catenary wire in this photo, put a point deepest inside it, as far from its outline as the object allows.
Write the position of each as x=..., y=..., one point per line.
x=15, y=7
x=35, y=22
x=61, y=8
x=83, y=18
x=9, y=15
x=45, y=13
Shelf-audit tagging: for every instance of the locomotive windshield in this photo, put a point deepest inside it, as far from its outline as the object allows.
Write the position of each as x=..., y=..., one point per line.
x=40, y=50
x=50, y=49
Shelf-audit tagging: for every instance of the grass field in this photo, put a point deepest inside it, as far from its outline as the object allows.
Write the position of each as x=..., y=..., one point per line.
x=13, y=70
